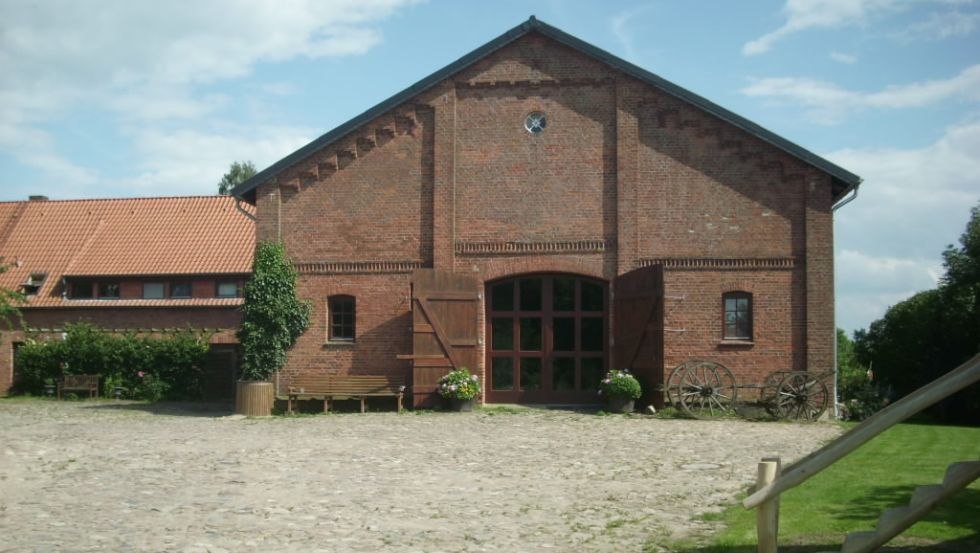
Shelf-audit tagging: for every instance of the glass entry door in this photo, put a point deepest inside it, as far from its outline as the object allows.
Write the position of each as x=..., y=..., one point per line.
x=547, y=339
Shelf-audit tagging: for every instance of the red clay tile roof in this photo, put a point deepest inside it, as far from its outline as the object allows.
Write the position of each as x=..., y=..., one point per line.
x=120, y=237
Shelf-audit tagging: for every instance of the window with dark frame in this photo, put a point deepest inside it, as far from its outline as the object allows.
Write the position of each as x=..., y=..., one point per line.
x=81, y=290
x=108, y=290
x=341, y=314
x=737, y=323
x=180, y=289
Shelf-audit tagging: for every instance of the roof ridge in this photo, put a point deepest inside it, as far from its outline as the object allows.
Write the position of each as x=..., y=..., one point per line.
x=116, y=199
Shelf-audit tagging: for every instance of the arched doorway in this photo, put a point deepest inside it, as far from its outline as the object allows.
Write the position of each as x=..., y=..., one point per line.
x=547, y=339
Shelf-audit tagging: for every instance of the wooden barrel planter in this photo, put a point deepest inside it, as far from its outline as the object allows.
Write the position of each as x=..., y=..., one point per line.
x=254, y=398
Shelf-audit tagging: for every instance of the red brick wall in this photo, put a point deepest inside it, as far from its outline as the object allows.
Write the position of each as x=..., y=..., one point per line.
x=623, y=174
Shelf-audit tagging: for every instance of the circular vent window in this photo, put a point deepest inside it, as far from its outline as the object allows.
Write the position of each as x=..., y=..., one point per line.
x=535, y=122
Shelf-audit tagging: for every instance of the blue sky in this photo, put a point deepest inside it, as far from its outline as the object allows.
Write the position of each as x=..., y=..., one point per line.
x=138, y=98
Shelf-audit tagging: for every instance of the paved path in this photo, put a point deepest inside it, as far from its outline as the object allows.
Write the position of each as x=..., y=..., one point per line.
x=104, y=476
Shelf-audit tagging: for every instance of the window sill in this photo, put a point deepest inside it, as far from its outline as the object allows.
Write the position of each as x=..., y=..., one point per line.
x=736, y=343
x=339, y=343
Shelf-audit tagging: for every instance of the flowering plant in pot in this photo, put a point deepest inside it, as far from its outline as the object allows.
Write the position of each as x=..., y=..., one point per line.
x=460, y=387
x=621, y=389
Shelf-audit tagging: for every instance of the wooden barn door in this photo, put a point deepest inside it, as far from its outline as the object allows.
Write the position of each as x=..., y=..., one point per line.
x=638, y=333
x=444, y=329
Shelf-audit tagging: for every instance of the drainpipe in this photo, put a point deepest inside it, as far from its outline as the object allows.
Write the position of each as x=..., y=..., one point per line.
x=836, y=368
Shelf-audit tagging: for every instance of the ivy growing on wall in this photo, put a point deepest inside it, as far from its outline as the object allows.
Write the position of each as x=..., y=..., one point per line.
x=273, y=317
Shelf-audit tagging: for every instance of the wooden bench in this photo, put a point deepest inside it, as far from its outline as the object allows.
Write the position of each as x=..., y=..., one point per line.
x=79, y=383
x=330, y=387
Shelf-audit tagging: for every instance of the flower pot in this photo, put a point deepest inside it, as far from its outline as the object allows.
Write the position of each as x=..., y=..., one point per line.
x=254, y=398
x=461, y=405
x=620, y=404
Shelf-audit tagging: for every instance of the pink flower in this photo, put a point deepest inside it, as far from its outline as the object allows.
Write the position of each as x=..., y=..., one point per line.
x=141, y=374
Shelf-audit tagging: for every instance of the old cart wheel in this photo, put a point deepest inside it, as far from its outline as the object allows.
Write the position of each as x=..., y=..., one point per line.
x=672, y=388
x=707, y=389
x=769, y=392
x=802, y=397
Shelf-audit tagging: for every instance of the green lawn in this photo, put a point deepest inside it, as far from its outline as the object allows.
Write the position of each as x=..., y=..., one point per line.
x=851, y=494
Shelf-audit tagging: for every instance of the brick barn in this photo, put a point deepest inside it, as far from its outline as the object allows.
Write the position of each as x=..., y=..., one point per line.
x=134, y=264
x=540, y=211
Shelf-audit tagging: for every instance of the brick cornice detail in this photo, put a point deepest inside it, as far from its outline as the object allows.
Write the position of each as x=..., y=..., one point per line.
x=542, y=83
x=356, y=267
x=530, y=248
x=720, y=263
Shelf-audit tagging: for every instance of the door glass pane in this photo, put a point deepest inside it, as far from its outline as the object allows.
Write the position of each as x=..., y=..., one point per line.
x=503, y=334
x=502, y=373
x=564, y=334
x=530, y=334
x=591, y=333
x=591, y=296
x=530, y=294
x=563, y=373
x=530, y=373
x=591, y=373
x=563, y=294
x=502, y=297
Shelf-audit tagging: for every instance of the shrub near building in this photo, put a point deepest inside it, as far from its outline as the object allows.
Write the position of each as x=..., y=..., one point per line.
x=156, y=367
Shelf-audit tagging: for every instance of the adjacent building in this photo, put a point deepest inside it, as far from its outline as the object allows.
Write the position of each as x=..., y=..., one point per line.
x=134, y=264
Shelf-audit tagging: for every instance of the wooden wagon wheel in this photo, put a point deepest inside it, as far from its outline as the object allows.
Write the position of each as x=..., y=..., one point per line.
x=673, y=384
x=769, y=392
x=707, y=389
x=802, y=396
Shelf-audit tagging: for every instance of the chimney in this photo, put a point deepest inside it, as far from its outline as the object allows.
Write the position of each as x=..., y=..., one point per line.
x=38, y=198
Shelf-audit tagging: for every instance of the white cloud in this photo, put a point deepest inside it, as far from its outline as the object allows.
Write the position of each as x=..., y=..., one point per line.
x=912, y=204
x=828, y=103
x=849, y=59
x=620, y=26
x=151, y=62
x=802, y=15
x=940, y=26
x=190, y=162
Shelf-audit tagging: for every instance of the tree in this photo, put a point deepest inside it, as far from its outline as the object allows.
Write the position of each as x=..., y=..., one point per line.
x=273, y=317
x=9, y=300
x=932, y=332
x=239, y=172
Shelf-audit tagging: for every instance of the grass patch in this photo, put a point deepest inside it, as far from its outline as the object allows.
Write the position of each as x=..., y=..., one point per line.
x=851, y=494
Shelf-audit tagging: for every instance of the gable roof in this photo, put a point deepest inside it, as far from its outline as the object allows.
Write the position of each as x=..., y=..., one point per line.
x=121, y=237
x=843, y=180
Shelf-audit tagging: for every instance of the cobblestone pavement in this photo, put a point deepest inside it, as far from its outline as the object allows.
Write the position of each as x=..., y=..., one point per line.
x=117, y=476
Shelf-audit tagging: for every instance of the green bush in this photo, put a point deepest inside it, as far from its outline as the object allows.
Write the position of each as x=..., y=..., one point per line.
x=620, y=383
x=148, y=367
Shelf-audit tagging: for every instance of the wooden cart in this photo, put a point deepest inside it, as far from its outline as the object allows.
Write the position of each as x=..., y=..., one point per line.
x=702, y=388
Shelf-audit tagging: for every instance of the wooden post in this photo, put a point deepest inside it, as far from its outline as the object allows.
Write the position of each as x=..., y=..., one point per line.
x=767, y=516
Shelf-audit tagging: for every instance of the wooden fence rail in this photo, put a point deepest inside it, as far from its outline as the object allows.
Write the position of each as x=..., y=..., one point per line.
x=959, y=378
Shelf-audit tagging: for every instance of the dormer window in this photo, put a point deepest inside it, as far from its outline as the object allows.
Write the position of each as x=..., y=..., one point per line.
x=33, y=284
